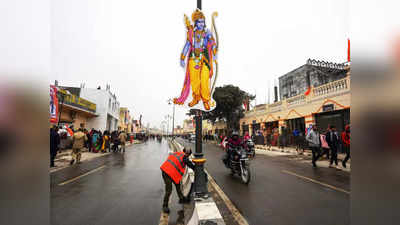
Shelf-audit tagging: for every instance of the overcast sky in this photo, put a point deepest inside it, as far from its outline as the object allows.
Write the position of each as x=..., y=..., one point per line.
x=135, y=45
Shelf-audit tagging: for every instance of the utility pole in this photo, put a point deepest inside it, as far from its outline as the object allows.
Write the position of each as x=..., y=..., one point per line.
x=170, y=101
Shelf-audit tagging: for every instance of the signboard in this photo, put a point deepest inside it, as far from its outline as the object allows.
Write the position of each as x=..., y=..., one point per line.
x=199, y=60
x=76, y=101
x=53, y=104
x=327, y=108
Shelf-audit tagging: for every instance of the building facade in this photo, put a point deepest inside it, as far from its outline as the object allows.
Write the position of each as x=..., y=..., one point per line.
x=107, y=106
x=74, y=110
x=327, y=103
x=219, y=128
x=188, y=126
x=125, y=121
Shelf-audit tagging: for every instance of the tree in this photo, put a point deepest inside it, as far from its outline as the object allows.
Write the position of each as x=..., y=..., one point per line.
x=229, y=101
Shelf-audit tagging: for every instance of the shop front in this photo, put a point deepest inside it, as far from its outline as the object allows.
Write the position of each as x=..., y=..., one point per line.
x=245, y=128
x=291, y=125
x=338, y=118
x=255, y=127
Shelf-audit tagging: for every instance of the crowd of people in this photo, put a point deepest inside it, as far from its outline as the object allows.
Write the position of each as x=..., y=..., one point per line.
x=326, y=143
x=95, y=141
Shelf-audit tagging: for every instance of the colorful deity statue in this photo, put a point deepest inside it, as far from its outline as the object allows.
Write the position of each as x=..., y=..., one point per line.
x=199, y=55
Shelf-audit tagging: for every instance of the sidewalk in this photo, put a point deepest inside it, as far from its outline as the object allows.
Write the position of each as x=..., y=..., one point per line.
x=63, y=158
x=305, y=157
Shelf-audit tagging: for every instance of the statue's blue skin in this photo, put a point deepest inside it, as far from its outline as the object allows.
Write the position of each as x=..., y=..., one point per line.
x=199, y=25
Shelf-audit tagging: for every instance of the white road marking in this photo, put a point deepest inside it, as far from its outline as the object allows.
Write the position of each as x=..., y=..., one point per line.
x=80, y=176
x=317, y=182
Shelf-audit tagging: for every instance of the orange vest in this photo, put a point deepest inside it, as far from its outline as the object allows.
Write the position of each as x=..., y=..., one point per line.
x=174, y=166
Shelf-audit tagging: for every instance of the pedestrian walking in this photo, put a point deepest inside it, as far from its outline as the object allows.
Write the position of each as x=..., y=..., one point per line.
x=324, y=146
x=172, y=171
x=54, y=144
x=95, y=140
x=283, y=137
x=122, y=139
x=333, y=140
x=296, y=135
x=105, y=143
x=314, y=142
x=346, y=144
x=78, y=140
x=90, y=137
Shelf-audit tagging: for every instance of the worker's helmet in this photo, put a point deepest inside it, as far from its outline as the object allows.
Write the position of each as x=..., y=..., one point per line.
x=235, y=133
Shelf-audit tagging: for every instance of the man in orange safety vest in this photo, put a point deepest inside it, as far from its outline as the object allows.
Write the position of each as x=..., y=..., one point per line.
x=172, y=172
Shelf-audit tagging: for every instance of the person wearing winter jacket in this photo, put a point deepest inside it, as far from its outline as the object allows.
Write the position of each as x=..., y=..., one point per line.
x=332, y=137
x=314, y=141
x=346, y=144
x=324, y=145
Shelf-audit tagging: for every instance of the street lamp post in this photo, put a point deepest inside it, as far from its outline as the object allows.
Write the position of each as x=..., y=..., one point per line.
x=173, y=114
x=200, y=177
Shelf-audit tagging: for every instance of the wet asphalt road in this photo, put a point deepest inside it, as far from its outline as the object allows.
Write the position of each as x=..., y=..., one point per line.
x=121, y=189
x=277, y=198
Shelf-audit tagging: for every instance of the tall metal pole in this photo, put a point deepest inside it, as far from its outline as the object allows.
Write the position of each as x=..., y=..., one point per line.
x=199, y=4
x=173, y=119
x=61, y=106
x=167, y=124
x=200, y=177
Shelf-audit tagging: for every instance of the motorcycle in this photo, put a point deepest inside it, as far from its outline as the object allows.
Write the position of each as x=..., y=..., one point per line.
x=239, y=163
x=250, y=148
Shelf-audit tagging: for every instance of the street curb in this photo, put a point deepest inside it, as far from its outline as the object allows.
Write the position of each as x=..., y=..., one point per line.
x=64, y=153
x=205, y=210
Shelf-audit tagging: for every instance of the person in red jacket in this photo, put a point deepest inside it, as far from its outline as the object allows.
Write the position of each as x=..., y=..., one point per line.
x=172, y=171
x=346, y=144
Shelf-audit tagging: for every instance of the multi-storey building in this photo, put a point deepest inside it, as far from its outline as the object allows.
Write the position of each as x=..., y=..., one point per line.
x=315, y=93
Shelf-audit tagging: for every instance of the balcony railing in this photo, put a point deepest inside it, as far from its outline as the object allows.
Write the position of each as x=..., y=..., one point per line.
x=325, y=90
x=335, y=86
x=296, y=100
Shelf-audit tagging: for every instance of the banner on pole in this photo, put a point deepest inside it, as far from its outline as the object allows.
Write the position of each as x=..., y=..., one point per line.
x=199, y=59
x=53, y=104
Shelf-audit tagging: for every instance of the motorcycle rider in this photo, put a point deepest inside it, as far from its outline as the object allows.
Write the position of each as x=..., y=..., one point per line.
x=234, y=141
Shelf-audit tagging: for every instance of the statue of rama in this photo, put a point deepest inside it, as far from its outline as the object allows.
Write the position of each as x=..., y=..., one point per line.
x=199, y=56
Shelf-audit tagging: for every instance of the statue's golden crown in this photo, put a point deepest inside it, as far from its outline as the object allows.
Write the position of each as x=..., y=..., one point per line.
x=197, y=15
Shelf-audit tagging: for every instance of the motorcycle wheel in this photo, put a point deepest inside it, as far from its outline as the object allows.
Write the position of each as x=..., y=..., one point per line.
x=245, y=175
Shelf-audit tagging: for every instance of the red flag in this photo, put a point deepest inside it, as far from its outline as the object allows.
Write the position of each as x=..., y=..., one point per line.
x=348, y=50
x=53, y=104
x=308, y=91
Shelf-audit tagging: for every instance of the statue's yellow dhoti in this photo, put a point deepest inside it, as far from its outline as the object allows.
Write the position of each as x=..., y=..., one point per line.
x=200, y=81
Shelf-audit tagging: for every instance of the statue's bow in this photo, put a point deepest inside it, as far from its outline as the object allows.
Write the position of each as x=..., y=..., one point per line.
x=214, y=29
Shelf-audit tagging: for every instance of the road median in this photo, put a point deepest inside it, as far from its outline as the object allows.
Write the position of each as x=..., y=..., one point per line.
x=216, y=209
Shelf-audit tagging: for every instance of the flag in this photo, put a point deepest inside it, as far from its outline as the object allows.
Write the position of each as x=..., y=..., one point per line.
x=53, y=104
x=308, y=91
x=348, y=50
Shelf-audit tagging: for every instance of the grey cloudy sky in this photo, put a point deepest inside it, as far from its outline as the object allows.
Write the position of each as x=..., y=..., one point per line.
x=135, y=45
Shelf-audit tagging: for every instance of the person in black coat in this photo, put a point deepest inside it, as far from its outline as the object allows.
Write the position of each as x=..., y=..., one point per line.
x=332, y=137
x=54, y=143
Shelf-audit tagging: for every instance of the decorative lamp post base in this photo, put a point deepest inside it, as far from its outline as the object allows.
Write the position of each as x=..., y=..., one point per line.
x=200, y=179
